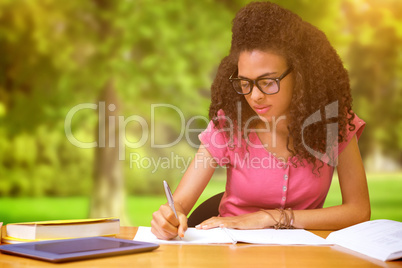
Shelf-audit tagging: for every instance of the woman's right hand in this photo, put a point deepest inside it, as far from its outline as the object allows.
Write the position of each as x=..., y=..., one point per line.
x=165, y=225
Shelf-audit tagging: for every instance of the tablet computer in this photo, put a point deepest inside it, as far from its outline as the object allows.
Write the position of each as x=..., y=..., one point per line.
x=77, y=249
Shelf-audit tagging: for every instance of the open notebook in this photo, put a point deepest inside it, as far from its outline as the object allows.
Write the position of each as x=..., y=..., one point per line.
x=224, y=235
x=380, y=239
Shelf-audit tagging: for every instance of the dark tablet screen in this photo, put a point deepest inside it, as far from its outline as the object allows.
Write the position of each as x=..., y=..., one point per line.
x=74, y=246
x=77, y=249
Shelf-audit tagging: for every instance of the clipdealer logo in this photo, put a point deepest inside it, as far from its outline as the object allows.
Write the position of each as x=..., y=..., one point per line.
x=148, y=132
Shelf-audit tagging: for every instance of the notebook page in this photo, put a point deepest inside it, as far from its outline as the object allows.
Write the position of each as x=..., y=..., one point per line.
x=380, y=239
x=279, y=237
x=191, y=236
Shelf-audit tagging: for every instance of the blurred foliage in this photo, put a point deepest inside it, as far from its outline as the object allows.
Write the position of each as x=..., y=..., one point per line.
x=55, y=55
x=374, y=59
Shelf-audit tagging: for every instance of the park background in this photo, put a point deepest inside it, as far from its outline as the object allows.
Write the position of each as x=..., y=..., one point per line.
x=135, y=54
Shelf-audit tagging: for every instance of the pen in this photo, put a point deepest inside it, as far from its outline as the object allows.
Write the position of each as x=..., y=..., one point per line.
x=169, y=197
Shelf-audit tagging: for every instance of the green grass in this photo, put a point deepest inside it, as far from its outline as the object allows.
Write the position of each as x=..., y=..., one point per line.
x=385, y=195
x=385, y=191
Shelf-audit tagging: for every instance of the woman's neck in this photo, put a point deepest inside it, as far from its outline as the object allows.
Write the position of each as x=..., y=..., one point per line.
x=277, y=127
x=274, y=136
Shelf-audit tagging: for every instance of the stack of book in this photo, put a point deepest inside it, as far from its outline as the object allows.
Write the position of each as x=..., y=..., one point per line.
x=60, y=229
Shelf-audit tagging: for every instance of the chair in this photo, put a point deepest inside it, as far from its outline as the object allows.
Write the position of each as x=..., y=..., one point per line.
x=209, y=208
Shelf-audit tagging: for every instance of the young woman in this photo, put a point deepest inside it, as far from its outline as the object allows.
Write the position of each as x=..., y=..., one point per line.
x=281, y=121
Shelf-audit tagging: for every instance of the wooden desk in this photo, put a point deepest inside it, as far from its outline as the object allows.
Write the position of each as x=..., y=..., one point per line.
x=240, y=255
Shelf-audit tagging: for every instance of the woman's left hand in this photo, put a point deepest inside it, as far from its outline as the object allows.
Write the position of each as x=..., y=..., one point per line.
x=256, y=220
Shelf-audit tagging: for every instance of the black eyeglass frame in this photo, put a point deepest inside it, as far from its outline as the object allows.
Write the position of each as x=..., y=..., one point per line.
x=255, y=82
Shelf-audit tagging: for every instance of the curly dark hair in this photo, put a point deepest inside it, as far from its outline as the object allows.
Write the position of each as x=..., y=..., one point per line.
x=320, y=78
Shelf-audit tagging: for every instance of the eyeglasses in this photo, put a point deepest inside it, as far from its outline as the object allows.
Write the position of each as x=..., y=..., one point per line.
x=269, y=86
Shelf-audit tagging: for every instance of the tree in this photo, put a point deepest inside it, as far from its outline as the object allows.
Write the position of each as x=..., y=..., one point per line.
x=58, y=55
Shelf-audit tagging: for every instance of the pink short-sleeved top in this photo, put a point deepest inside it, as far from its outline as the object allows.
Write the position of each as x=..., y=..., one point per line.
x=258, y=180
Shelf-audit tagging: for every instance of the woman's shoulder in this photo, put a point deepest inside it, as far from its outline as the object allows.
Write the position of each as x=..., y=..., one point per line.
x=354, y=128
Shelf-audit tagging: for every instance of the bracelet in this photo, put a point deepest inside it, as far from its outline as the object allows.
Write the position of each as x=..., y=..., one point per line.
x=285, y=221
